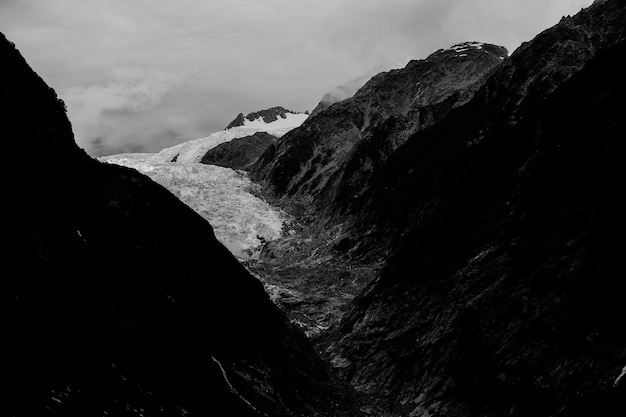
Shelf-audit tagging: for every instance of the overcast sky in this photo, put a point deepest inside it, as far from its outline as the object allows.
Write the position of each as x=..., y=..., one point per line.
x=140, y=75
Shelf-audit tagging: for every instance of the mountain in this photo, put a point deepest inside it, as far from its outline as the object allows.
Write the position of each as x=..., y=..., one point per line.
x=240, y=153
x=242, y=221
x=504, y=229
x=118, y=300
x=328, y=161
x=276, y=116
x=277, y=122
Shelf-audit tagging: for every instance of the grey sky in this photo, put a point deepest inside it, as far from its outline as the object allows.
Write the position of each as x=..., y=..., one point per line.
x=145, y=74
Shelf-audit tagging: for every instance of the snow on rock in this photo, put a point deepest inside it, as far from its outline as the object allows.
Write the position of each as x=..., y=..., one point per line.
x=194, y=150
x=241, y=221
x=278, y=127
x=465, y=46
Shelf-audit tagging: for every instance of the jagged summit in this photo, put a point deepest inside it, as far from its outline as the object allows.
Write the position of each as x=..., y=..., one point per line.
x=267, y=116
x=462, y=49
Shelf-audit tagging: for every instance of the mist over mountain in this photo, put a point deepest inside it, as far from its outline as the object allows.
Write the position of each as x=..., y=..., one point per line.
x=340, y=93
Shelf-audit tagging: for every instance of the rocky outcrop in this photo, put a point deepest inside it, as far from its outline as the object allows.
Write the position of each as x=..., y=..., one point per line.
x=240, y=153
x=116, y=297
x=268, y=116
x=502, y=291
x=327, y=162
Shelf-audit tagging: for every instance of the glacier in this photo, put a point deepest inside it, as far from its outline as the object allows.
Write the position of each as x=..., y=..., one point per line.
x=228, y=199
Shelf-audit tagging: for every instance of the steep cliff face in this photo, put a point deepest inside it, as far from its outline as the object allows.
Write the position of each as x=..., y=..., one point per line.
x=513, y=90
x=329, y=159
x=117, y=299
x=502, y=294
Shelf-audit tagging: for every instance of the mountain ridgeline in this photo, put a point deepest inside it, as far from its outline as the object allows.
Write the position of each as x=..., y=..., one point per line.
x=118, y=300
x=457, y=249
x=501, y=292
x=498, y=212
x=267, y=116
x=328, y=161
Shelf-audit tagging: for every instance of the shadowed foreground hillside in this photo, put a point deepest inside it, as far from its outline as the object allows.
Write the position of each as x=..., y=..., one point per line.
x=116, y=299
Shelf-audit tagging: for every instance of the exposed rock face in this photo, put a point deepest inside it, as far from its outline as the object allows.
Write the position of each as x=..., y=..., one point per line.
x=308, y=276
x=514, y=88
x=238, y=121
x=502, y=295
x=268, y=116
x=239, y=153
x=329, y=160
x=117, y=299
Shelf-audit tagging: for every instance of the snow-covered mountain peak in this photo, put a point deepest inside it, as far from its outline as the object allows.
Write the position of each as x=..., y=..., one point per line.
x=275, y=118
x=280, y=126
x=193, y=150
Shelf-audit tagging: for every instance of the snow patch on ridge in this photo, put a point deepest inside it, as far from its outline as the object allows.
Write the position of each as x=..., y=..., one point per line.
x=278, y=127
x=466, y=46
x=193, y=150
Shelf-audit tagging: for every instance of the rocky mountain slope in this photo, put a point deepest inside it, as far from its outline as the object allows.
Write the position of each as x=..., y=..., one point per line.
x=330, y=158
x=313, y=276
x=502, y=292
x=240, y=153
x=194, y=150
x=532, y=74
x=118, y=300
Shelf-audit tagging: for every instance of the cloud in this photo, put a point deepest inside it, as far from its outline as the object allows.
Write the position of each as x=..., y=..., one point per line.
x=150, y=73
x=103, y=113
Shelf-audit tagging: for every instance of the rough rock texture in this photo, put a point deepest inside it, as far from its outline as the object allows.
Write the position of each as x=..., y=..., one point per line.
x=503, y=291
x=327, y=162
x=116, y=299
x=239, y=153
x=311, y=273
x=514, y=88
x=309, y=277
x=268, y=116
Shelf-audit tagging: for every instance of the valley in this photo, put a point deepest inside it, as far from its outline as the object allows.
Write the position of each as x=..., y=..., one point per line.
x=445, y=240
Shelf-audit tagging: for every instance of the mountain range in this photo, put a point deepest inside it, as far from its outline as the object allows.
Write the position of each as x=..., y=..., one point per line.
x=453, y=247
